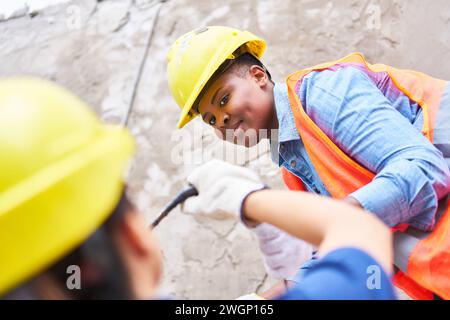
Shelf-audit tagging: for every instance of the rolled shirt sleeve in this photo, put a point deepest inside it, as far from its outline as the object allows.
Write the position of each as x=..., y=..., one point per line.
x=411, y=174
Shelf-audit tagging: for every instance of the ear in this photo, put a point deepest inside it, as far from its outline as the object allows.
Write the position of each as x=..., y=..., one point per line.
x=259, y=74
x=140, y=253
x=136, y=233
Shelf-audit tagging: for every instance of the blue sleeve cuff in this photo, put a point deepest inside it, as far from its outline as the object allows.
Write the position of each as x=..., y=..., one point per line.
x=248, y=223
x=346, y=273
x=383, y=198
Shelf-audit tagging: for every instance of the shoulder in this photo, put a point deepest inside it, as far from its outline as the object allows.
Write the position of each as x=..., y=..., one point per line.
x=330, y=95
x=346, y=273
x=334, y=79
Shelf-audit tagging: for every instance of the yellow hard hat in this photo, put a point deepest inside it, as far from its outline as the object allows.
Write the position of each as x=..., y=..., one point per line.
x=195, y=56
x=61, y=175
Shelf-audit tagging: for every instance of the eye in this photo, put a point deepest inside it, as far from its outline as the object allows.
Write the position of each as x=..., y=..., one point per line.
x=224, y=101
x=212, y=121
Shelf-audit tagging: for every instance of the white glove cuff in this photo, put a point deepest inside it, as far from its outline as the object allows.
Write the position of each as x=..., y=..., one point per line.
x=248, y=223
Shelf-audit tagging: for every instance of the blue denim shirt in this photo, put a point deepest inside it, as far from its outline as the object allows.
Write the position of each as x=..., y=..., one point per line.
x=377, y=126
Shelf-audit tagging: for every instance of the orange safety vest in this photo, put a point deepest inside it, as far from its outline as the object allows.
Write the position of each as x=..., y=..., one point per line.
x=429, y=262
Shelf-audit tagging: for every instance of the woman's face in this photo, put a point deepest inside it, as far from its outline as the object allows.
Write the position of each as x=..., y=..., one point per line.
x=239, y=105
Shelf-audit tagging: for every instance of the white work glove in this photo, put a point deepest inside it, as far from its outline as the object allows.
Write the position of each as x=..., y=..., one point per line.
x=283, y=253
x=222, y=189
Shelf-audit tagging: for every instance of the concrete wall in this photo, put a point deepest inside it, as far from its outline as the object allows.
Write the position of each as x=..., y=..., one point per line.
x=96, y=50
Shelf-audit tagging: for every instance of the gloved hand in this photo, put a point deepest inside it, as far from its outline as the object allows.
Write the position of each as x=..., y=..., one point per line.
x=283, y=253
x=222, y=189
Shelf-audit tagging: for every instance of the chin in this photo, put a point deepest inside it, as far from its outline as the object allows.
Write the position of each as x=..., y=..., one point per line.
x=250, y=144
x=248, y=139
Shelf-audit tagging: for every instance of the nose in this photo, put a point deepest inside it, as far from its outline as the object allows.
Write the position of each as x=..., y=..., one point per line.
x=223, y=120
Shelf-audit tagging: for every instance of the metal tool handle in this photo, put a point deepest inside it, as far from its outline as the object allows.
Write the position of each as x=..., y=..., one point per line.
x=190, y=191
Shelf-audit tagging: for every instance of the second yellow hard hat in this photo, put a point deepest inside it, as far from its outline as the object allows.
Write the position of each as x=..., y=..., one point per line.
x=62, y=173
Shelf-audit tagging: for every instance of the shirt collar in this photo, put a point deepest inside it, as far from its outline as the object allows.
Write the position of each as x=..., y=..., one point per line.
x=287, y=131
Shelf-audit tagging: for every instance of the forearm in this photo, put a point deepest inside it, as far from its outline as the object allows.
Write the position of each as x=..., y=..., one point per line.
x=326, y=223
x=352, y=201
x=293, y=212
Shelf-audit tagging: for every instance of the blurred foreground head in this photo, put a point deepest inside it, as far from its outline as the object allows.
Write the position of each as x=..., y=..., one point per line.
x=67, y=230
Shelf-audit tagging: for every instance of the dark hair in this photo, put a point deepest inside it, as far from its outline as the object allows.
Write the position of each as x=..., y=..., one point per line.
x=240, y=66
x=103, y=275
x=244, y=62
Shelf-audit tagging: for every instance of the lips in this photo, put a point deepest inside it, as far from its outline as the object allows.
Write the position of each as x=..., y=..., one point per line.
x=238, y=132
x=236, y=125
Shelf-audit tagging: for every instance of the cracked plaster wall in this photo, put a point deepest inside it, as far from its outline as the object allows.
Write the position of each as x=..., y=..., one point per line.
x=96, y=49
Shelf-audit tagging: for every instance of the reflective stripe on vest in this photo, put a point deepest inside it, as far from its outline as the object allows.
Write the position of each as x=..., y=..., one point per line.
x=429, y=261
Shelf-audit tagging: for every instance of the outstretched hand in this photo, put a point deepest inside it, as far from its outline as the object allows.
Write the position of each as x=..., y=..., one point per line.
x=222, y=189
